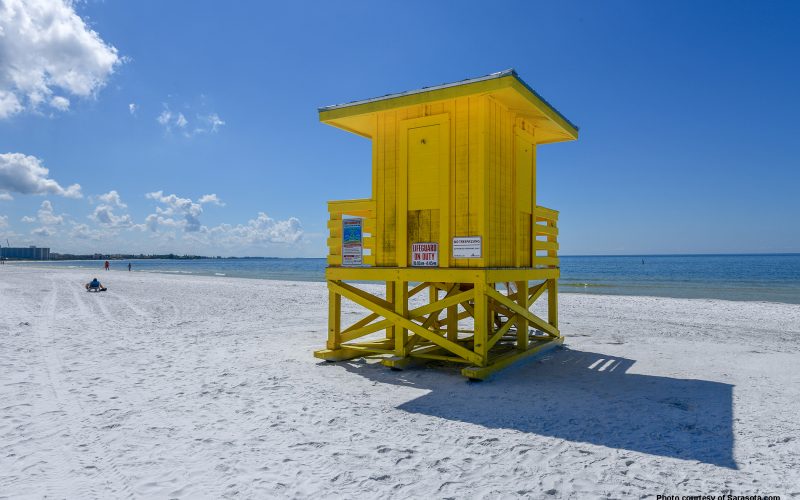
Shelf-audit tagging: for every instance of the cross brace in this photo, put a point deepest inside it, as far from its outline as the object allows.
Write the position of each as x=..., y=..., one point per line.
x=422, y=332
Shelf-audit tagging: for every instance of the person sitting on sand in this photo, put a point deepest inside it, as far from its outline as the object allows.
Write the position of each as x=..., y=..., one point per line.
x=95, y=285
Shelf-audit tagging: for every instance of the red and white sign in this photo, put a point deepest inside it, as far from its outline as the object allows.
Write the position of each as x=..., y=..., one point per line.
x=424, y=255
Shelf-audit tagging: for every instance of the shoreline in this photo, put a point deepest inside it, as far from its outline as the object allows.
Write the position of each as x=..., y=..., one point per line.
x=689, y=290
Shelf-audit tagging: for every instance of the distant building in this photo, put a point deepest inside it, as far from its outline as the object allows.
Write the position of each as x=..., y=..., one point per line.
x=29, y=253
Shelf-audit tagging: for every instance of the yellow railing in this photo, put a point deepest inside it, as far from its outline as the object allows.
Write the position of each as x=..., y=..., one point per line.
x=365, y=209
x=548, y=232
x=545, y=232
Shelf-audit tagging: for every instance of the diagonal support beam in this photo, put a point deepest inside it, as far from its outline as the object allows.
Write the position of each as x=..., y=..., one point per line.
x=417, y=289
x=365, y=330
x=498, y=308
x=432, y=320
x=362, y=322
x=503, y=330
x=375, y=305
x=463, y=315
x=536, y=321
x=440, y=304
x=536, y=291
x=353, y=333
x=361, y=294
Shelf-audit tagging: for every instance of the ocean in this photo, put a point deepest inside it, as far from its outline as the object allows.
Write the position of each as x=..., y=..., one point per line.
x=771, y=278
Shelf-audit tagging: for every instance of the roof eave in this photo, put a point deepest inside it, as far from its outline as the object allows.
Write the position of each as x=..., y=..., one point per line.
x=488, y=83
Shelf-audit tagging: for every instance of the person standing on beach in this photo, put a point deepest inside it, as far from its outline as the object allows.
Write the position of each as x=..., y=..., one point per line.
x=106, y=265
x=129, y=267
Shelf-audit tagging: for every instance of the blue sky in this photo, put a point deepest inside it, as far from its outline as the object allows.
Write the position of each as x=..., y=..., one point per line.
x=688, y=116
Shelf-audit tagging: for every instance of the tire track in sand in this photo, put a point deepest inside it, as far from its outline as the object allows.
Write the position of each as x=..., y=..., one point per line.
x=106, y=459
x=73, y=416
x=90, y=306
x=79, y=302
x=56, y=418
x=127, y=302
x=103, y=308
x=131, y=392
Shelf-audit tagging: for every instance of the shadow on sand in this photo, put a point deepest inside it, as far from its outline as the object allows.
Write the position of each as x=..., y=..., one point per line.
x=583, y=397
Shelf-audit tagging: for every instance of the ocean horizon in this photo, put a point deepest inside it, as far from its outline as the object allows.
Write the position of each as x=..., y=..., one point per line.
x=743, y=277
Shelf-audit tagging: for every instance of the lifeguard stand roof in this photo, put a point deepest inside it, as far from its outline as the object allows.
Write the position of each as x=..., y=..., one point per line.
x=505, y=86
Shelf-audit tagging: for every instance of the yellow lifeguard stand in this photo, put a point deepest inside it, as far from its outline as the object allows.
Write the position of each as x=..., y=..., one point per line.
x=453, y=211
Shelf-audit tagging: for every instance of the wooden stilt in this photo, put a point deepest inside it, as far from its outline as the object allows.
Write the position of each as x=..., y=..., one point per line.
x=481, y=345
x=552, y=303
x=522, y=322
x=452, y=323
x=334, y=319
x=390, y=299
x=401, y=308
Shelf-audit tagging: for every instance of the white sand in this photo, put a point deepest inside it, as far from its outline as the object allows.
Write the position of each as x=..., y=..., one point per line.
x=193, y=387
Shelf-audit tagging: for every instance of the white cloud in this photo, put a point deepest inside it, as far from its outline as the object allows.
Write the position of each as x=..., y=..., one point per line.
x=60, y=103
x=5, y=197
x=266, y=229
x=211, y=198
x=214, y=121
x=48, y=219
x=187, y=212
x=70, y=233
x=45, y=47
x=104, y=215
x=43, y=231
x=154, y=221
x=112, y=198
x=178, y=213
x=132, y=108
x=47, y=216
x=169, y=119
x=25, y=174
x=174, y=226
x=9, y=104
x=82, y=231
x=200, y=124
x=261, y=230
x=164, y=118
x=151, y=222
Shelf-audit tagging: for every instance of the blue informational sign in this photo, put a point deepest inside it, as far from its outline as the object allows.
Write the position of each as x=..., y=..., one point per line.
x=352, y=242
x=351, y=231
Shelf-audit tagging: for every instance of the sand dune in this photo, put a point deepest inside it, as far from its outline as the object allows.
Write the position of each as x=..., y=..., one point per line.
x=195, y=387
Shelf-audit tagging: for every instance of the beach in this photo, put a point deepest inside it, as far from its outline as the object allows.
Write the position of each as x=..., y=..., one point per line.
x=173, y=386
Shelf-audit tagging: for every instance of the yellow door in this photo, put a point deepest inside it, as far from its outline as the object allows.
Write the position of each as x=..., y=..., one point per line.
x=423, y=168
x=425, y=187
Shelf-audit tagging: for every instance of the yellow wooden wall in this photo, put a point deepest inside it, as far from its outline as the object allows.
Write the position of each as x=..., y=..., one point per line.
x=483, y=193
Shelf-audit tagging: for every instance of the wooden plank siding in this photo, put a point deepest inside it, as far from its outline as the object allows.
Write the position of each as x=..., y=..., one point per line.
x=501, y=200
x=482, y=178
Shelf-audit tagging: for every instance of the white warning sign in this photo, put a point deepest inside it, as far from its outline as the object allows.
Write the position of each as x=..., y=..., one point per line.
x=467, y=247
x=424, y=255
